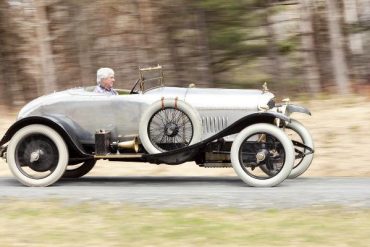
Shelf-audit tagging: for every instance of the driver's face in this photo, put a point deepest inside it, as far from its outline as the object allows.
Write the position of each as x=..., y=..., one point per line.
x=108, y=82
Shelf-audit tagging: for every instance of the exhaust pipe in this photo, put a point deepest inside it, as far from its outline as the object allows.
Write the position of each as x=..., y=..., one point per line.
x=128, y=145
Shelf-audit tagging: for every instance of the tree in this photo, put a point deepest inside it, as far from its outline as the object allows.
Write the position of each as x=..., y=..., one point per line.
x=308, y=45
x=337, y=48
x=46, y=54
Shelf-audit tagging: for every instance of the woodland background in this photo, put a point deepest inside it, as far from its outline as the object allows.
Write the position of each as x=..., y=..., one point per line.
x=298, y=46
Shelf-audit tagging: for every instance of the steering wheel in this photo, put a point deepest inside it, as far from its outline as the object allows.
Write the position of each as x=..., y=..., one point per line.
x=133, y=88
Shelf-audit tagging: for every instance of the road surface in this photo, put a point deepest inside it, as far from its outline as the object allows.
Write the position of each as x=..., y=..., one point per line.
x=199, y=191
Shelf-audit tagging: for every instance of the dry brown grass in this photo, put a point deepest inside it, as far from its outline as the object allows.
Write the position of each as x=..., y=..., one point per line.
x=339, y=126
x=53, y=223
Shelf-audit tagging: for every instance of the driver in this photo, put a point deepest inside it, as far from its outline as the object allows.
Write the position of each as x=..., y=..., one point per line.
x=105, y=80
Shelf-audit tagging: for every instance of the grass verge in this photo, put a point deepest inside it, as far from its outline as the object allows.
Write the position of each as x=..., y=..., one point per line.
x=56, y=223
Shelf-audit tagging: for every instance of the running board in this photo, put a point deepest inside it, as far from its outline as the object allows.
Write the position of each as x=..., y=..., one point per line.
x=120, y=157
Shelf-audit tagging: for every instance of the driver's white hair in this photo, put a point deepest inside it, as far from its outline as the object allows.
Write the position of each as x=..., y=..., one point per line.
x=103, y=73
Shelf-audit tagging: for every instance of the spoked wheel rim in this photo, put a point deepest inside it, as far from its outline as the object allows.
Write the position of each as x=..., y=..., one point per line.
x=36, y=156
x=169, y=129
x=261, y=152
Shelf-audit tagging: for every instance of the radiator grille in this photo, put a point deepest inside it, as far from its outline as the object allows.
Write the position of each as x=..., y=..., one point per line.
x=214, y=124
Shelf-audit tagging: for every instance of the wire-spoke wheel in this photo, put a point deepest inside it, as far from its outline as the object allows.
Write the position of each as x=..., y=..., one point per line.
x=303, y=158
x=262, y=145
x=168, y=125
x=170, y=129
x=37, y=155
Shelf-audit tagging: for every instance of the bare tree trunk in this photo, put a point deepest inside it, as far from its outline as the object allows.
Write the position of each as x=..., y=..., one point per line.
x=175, y=58
x=355, y=41
x=364, y=20
x=8, y=67
x=337, y=48
x=145, y=20
x=82, y=40
x=6, y=96
x=308, y=45
x=46, y=55
x=207, y=74
x=273, y=50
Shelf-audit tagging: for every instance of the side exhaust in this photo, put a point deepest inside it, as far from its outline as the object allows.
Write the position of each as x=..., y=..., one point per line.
x=132, y=145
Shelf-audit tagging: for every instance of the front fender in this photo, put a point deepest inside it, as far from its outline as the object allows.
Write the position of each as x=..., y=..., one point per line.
x=188, y=153
x=296, y=108
x=74, y=146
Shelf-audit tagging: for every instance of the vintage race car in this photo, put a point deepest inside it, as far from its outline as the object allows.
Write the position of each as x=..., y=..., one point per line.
x=63, y=134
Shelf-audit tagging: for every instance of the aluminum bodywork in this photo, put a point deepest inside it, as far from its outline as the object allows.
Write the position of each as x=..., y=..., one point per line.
x=88, y=112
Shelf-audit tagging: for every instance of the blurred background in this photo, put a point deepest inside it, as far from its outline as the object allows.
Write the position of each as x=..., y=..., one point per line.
x=316, y=52
x=300, y=47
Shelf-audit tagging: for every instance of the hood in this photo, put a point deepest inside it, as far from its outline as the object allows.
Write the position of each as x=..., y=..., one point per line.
x=217, y=98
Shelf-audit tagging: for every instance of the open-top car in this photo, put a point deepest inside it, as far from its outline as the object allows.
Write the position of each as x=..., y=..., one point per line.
x=63, y=134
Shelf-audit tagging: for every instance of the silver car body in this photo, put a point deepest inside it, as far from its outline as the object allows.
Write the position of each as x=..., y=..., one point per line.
x=88, y=111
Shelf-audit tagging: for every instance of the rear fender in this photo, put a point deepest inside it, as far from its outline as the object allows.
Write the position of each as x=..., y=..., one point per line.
x=58, y=124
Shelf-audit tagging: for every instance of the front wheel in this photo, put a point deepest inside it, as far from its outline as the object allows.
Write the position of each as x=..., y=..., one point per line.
x=297, y=132
x=37, y=155
x=262, y=145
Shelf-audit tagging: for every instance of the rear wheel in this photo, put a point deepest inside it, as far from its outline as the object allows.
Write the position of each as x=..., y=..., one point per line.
x=262, y=145
x=37, y=155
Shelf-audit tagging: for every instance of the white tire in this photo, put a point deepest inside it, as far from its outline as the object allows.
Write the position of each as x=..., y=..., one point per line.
x=304, y=164
x=240, y=168
x=188, y=126
x=37, y=155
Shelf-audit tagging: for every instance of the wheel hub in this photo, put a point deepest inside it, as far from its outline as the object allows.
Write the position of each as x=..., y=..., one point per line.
x=171, y=129
x=261, y=155
x=37, y=152
x=39, y=162
x=36, y=155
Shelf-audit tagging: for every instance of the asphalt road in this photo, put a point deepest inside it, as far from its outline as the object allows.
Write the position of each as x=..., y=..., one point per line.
x=199, y=191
